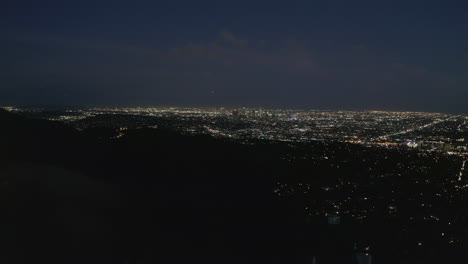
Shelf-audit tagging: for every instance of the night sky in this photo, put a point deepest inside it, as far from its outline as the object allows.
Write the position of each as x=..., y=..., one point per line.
x=383, y=55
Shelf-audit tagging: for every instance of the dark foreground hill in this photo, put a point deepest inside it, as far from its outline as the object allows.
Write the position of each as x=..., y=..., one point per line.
x=153, y=196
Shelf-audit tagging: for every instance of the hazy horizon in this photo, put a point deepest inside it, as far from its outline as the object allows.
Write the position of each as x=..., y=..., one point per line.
x=327, y=55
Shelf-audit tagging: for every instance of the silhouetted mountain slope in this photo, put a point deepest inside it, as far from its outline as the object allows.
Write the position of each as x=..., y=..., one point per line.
x=177, y=195
x=58, y=215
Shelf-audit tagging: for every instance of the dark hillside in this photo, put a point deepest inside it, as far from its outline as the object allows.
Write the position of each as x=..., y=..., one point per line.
x=150, y=194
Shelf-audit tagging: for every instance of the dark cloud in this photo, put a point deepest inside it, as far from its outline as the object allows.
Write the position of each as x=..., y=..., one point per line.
x=229, y=38
x=228, y=70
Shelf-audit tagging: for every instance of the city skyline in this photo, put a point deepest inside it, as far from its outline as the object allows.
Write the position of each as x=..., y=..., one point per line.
x=214, y=107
